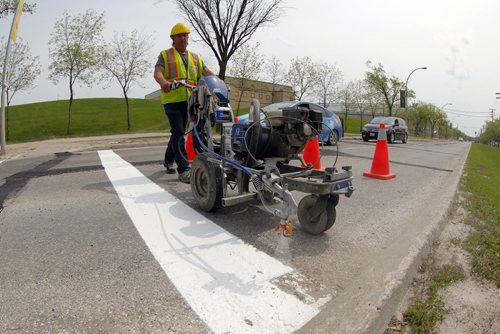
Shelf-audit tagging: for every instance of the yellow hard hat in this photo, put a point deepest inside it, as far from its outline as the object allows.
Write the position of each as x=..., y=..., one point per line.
x=180, y=28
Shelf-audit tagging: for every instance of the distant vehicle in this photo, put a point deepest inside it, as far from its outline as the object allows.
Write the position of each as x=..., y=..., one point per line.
x=332, y=126
x=395, y=128
x=460, y=139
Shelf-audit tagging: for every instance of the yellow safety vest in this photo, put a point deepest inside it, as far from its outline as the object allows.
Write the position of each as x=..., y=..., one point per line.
x=175, y=70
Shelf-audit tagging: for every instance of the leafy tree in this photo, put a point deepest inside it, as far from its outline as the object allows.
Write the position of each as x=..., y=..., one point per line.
x=22, y=69
x=246, y=65
x=76, y=44
x=226, y=25
x=126, y=59
x=435, y=117
x=359, y=98
x=423, y=112
x=275, y=73
x=491, y=133
x=387, y=87
x=302, y=76
x=9, y=6
x=328, y=77
x=373, y=98
x=346, y=99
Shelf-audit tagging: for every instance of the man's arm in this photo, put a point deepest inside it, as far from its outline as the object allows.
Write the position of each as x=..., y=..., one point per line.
x=158, y=75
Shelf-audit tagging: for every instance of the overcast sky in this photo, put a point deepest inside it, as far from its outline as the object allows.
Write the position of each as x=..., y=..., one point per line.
x=457, y=40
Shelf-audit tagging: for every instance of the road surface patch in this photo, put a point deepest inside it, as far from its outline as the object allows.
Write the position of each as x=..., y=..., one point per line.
x=231, y=285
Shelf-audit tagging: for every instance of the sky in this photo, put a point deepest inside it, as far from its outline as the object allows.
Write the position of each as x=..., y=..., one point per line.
x=458, y=41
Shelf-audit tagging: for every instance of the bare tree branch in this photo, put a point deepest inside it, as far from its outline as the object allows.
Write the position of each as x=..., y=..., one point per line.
x=226, y=25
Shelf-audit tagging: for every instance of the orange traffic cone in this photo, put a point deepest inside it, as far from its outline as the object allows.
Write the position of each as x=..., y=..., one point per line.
x=380, y=163
x=311, y=154
x=190, y=148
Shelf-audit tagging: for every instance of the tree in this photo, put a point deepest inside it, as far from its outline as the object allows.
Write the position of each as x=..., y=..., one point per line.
x=436, y=116
x=346, y=99
x=491, y=133
x=275, y=73
x=76, y=44
x=9, y=6
x=359, y=98
x=22, y=69
x=126, y=59
x=387, y=87
x=226, y=25
x=246, y=65
x=423, y=113
x=302, y=76
x=373, y=98
x=326, y=81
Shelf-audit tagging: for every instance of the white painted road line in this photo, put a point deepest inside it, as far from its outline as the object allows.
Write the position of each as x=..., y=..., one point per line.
x=225, y=281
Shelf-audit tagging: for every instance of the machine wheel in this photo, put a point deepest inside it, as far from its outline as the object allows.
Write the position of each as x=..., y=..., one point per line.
x=365, y=138
x=331, y=211
x=333, y=138
x=310, y=221
x=206, y=183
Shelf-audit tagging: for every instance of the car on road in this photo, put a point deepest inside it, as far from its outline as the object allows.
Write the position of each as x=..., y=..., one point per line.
x=332, y=130
x=395, y=128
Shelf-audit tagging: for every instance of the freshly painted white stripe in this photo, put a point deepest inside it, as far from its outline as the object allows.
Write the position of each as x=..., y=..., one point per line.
x=225, y=281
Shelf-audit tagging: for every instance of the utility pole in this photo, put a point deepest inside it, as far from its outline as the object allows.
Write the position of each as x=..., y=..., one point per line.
x=12, y=36
x=492, y=114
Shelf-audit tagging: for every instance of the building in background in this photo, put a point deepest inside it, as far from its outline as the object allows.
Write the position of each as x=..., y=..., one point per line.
x=247, y=90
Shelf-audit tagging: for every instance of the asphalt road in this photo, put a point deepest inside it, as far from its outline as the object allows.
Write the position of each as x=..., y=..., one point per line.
x=71, y=258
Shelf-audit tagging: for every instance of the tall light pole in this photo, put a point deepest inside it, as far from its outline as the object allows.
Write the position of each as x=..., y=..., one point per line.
x=12, y=36
x=442, y=109
x=403, y=98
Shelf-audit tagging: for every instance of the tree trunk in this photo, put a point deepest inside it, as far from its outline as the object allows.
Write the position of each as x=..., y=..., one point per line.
x=361, y=122
x=69, y=108
x=128, y=109
x=345, y=121
x=7, y=117
x=239, y=101
x=222, y=68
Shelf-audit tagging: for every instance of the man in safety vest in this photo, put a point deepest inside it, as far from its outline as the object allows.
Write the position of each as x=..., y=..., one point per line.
x=177, y=63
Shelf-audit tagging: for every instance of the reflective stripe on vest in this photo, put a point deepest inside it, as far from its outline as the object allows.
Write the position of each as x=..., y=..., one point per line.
x=175, y=70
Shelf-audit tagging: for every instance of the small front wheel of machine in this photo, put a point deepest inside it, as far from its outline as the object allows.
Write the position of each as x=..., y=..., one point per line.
x=333, y=138
x=310, y=221
x=206, y=183
x=405, y=138
x=390, y=138
x=365, y=138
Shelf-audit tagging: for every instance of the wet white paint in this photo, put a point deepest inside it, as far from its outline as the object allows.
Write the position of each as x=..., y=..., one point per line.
x=225, y=281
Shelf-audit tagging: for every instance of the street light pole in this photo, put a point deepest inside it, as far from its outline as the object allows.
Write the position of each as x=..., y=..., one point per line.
x=12, y=36
x=442, y=109
x=406, y=92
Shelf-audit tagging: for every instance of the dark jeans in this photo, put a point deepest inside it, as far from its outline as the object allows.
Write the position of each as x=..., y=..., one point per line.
x=176, y=150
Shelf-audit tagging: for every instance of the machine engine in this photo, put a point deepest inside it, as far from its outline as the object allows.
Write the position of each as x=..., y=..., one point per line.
x=282, y=134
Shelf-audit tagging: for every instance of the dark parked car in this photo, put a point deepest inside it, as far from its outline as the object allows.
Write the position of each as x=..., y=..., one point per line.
x=395, y=128
x=332, y=126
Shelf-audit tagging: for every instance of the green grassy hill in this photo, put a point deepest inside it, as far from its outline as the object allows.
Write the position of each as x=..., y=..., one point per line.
x=91, y=117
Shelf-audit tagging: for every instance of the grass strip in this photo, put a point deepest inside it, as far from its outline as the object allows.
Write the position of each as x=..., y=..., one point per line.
x=481, y=185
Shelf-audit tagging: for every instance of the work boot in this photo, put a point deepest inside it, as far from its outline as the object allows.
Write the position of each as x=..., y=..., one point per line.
x=185, y=176
x=170, y=168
